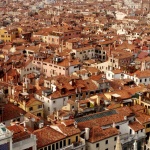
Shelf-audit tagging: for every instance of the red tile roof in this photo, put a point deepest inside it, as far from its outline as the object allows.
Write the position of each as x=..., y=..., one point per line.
x=19, y=133
x=136, y=126
x=98, y=134
x=11, y=111
x=47, y=136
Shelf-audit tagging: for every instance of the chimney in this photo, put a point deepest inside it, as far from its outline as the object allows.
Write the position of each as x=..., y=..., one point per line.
x=143, y=66
x=87, y=133
x=24, y=124
x=41, y=125
x=125, y=117
x=98, y=100
x=24, y=87
x=37, y=82
x=58, y=113
x=75, y=124
x=77, y=104
x=114, y=125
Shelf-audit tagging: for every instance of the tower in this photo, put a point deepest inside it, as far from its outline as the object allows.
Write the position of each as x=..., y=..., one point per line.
x=118, y=144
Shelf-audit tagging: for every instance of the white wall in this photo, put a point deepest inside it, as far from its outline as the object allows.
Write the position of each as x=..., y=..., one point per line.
x=102, y=146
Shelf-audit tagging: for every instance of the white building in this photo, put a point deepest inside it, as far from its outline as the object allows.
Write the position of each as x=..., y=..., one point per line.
x=21, y=138
x=114, y=74
x=5, y=138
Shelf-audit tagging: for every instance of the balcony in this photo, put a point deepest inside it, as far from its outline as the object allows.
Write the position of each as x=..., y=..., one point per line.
x=75, y=145
x=125, y=138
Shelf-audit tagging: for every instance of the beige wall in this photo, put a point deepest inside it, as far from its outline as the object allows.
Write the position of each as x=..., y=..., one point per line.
x=102, y=145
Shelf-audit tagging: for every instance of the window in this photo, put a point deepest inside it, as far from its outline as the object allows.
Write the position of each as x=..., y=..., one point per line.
x=53, y=146
x=115, y=138
x=130, y=131
x=18, y=119
x=56, y=145
x=60, y=144
x=39, y=106
x=45, y=148
x=148, y=126
x=118, y=127
x=48, y=109
x=53, y=102
x=49, y=147
x=31, y=108
x=141, y=130
x=39, y=114
x=106, y=149
x=76, y=138
x=64, y=142
x=69, y=141
x=97, y=145
x=106, y=142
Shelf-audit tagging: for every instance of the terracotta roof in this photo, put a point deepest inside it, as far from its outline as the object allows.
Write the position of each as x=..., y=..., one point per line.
x=19, y=133
x=32, y=101
x=32, y=116
x=136, y=126
x=126, y=111
x=143, y=55
x=11, y=111
x=137, y=108
x=68, y=130
x=99, y=119
x=143, y=118
x=142, y=74
x=98, y=134
x=68, y=122
x=47, y=136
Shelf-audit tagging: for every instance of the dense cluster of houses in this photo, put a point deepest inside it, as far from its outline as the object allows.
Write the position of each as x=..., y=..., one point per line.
x=75, y=75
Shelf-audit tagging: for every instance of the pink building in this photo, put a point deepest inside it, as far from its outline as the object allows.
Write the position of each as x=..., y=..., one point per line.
x=57, y=66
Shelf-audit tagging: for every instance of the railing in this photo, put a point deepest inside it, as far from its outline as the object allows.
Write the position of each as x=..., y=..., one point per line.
x=125, y=138
x=75, y=145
